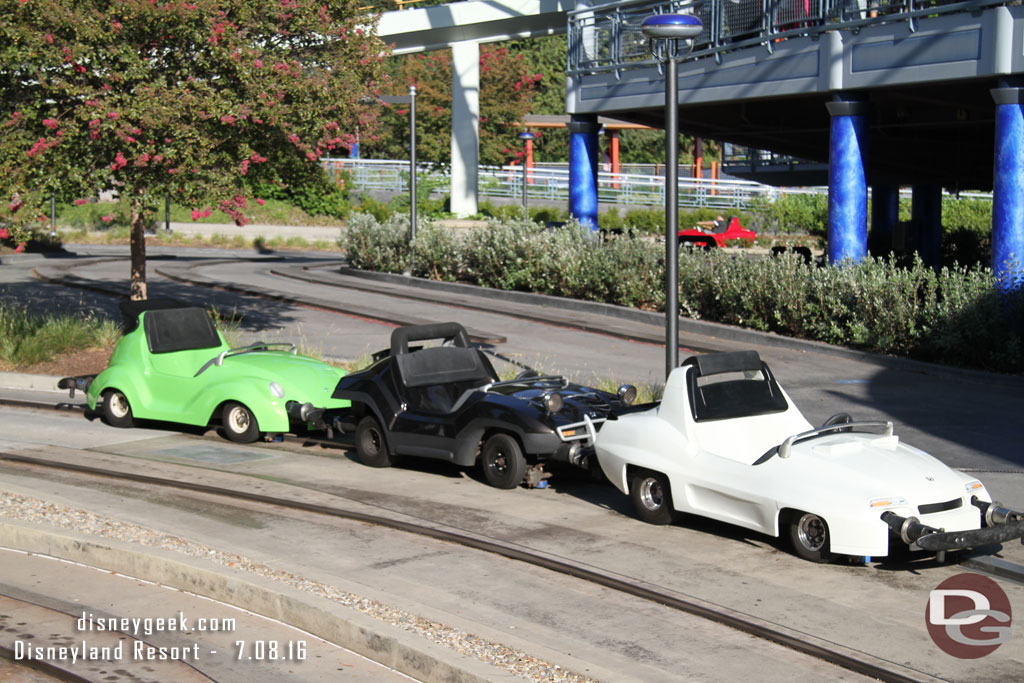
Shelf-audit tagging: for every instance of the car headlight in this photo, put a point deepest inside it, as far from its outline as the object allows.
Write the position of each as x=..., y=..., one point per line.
x=276, y=390
x=553, y=401
x=889, y=502
x=626, y=394
x=974, y=486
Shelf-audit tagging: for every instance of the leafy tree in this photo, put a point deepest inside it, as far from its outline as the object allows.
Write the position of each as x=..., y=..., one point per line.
x=195, y=99
x=507, y=89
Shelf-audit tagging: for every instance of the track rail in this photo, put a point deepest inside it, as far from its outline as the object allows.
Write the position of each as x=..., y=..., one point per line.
x=849, y=659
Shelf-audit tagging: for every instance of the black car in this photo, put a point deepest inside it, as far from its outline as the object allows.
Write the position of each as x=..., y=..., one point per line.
x=446, y=402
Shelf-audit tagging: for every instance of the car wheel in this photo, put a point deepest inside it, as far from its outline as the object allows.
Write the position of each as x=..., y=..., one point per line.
x=239, y=423
x=652, y=498
x=809, y=534
x=371, y=446
x=116, y=409
x=502, y=461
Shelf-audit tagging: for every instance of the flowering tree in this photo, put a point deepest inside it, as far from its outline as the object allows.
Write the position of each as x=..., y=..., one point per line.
x=507, y=89
x=154, y=98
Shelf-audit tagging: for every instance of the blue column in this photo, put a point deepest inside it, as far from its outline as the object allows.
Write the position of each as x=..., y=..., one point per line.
x=926, y=213
x=885, y=213
x=1008, y=190
x=847, y=184
x=583, y=146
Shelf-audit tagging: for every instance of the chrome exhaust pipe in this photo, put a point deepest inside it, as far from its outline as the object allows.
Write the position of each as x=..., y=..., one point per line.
x=995, y=514
x=909, y=529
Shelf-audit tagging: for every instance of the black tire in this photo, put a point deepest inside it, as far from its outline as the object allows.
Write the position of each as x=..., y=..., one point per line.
x=116, y=409
x=652, y=497
x=371, y=445
x=503, y=462
x=810, y=537
x=239, y=423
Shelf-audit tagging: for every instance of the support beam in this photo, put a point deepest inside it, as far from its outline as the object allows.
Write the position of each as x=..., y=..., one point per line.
x=465, y=127
x=583, y=146
x=926, y=214
x=1008, y=191
x=885, y=213
x=847, y=185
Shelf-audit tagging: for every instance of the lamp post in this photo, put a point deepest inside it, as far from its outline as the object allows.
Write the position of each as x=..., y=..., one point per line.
x=670, y=39
x=527, y=137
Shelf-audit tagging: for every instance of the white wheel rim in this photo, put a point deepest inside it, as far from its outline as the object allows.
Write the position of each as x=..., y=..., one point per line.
x=118, y=404
x=238, y=419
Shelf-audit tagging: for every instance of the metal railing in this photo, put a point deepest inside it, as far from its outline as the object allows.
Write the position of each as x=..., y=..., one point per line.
x=551, y=183
x=607, y=38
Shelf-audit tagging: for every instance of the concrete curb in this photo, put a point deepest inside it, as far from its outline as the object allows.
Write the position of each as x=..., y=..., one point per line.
x=23, y=380
x=334, y=623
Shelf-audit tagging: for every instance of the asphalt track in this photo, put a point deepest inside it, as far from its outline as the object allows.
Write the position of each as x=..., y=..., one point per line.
x=968, y=419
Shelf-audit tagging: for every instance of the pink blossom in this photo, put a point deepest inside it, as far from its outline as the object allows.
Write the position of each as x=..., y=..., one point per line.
x=4, y=233
x=113, y=115
x=108, y=219
x=116, y=25
x=240, y=200
x=243, y=167
x=228, y=119
x=129, y=138
x=49, y=38
x=20, y=248
x=92, y=103
x=79, y=202
x=261, y=202
x=52, y=124
x=94, y=123
x=293, y=138
x=40, y=147
x=258, y=63
x=119, y=162
x=311, y=156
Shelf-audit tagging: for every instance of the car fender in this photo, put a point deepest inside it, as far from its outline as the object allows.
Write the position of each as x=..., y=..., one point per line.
x=253, y=393
x=638, y=440
x=124, y=380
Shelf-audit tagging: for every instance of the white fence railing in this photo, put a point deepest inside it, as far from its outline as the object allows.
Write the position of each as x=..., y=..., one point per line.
x=550, y=183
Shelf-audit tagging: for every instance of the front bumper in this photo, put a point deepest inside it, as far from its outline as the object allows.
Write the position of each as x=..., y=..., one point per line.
x=1001, y=525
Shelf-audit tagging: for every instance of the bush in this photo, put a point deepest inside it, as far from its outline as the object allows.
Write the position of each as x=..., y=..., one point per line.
x=796, y=213
x=954, y=315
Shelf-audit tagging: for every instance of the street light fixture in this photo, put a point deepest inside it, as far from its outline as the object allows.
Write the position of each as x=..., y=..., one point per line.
x=670, y=39
x=527, y=137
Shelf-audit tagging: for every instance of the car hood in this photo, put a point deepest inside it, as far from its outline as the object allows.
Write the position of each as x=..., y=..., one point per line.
x=302, y=378
x=578, y=400
x=875, y=466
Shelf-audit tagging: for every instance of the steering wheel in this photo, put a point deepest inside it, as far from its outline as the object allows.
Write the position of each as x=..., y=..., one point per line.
x=838, y=419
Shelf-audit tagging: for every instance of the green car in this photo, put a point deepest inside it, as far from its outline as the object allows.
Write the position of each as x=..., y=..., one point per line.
x=173, y=365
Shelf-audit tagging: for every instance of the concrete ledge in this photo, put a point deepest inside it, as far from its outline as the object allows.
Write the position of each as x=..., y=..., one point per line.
x=334, y=623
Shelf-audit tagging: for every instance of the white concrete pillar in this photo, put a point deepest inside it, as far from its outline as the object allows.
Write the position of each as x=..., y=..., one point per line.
x=465, y=127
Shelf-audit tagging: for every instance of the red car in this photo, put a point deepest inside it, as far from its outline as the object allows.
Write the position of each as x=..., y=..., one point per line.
x=716, y=233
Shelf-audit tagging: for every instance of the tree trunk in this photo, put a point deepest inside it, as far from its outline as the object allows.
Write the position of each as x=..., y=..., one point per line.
x=138, y=249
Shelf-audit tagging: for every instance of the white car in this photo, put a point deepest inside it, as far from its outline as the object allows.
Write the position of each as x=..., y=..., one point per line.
x=726, y=442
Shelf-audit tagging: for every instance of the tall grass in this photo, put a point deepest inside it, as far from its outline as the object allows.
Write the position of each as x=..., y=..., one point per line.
x=28, y=338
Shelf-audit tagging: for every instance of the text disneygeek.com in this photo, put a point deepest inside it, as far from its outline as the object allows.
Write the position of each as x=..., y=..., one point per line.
x=139, y=650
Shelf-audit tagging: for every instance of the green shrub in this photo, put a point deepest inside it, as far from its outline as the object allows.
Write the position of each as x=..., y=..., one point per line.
x=795, y=213
x=954, y=315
